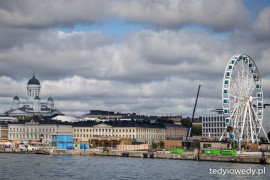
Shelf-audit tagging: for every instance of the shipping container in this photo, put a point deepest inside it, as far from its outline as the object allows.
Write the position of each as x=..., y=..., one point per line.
x=229, y=152
x=84, y=146
x=64, y=146
x=211, y=151
x=177, y=151
x=63, y=138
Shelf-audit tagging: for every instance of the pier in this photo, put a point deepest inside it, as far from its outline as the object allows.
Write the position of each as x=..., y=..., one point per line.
x=194, y=156
x=166, y=155
x=25, y=151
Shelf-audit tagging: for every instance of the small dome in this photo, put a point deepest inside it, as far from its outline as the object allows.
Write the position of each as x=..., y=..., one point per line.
x=50, y=99
x=16, y=98
x=34, y=81
x=37, y=97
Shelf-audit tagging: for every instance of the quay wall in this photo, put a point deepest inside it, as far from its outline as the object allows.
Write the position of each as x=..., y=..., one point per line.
x=146, y=154
x=162, y=155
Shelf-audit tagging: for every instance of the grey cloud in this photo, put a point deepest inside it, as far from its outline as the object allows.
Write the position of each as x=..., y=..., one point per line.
x=262, y=24
x=42, y=14
x=154, y=71
x=220, y=15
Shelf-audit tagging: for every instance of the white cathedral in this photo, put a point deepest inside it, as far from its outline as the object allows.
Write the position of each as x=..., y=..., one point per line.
x=32, y=105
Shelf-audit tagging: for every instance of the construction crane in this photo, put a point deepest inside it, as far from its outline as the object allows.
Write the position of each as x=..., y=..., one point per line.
x=189, y=128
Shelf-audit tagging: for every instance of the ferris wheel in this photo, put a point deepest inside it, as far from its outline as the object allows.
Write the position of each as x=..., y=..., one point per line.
x=242, y=98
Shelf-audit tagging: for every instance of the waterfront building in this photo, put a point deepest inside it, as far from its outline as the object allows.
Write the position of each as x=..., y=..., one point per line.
x=37, y=131
x=147, y=133
x=213, y=124
x=3, y=132
x=175, y=131
x=32, y=105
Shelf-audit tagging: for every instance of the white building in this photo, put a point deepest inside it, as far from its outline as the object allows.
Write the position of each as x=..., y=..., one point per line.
x=32, y=105
x=213, y=124
x=35, y=131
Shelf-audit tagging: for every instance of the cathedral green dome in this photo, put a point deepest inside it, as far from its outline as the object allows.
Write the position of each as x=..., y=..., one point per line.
x=16, y=98
x=33, y=81
x=37, y=97
x=50, y=99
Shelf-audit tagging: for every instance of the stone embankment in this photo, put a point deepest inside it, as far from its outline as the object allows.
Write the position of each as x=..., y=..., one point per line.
x=25, y=151
x=255, y=159
x=166, y=155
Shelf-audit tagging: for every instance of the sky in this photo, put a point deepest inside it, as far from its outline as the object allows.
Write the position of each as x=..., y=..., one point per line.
x=141, y=56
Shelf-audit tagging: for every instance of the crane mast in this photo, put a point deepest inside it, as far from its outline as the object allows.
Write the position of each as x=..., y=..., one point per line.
x=189, y=128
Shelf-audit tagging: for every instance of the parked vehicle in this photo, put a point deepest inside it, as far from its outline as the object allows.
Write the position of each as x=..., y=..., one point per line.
x=32, y=148
x=22, y=146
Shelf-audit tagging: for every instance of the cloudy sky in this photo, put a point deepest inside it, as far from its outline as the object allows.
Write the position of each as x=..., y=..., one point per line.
x=137, y=56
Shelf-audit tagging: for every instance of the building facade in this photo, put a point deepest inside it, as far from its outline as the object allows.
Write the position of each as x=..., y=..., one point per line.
x=32, y=105
x=143, y=133
x=37, y=131
x=175, y=132
x=213, y=124
x=3, y=132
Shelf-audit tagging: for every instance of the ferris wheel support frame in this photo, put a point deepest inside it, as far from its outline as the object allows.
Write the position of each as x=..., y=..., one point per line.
x=241, y=116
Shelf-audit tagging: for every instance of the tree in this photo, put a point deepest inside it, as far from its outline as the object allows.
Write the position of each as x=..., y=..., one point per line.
x=186, y=122
x=161, y=144
x=154, y=145
x=196, y=130
x=195, y=144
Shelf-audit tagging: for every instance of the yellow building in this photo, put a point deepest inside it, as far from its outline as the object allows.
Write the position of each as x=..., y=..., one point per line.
x=141, y=133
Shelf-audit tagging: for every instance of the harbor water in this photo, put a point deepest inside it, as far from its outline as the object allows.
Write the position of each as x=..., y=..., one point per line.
x=39, y=167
